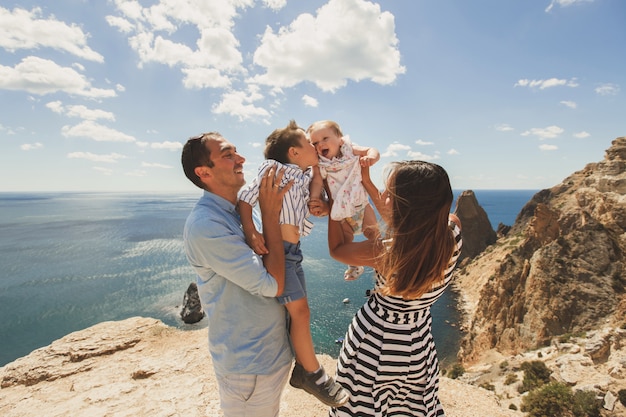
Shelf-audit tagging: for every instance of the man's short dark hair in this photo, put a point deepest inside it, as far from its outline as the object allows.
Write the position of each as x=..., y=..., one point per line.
x=196, y=154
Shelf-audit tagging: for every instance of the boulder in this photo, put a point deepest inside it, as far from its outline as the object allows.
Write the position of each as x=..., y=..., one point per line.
x=192, y=311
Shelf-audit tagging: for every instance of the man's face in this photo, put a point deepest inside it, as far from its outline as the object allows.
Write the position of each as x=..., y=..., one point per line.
x=227, y=169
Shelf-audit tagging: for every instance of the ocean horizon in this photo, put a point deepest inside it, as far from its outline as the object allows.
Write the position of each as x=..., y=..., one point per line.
x=74, y=259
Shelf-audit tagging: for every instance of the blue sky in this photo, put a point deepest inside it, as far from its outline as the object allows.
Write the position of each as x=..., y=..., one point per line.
x=101, y=95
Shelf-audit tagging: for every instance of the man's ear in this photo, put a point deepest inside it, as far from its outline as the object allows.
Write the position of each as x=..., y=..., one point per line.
x=202, y=172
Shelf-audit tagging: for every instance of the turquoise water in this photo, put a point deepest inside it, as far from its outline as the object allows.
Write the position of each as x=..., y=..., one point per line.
x=71, y=260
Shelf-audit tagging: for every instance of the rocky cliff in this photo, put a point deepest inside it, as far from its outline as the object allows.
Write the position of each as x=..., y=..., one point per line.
x=141, y=367
x=561, y=268
x=477, y=231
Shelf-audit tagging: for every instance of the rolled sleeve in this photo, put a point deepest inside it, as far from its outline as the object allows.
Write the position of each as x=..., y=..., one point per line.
x=229, y=257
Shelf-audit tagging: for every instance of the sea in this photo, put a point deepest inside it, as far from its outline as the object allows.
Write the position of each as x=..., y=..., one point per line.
x=72, y=260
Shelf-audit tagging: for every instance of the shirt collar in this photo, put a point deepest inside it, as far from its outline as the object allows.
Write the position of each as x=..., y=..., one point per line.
x=220, y=202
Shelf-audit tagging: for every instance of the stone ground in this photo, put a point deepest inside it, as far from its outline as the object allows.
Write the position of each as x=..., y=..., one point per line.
x=140, y=367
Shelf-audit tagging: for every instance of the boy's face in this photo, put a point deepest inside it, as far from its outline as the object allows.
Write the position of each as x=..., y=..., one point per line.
x=326, y=141
x=306, y=154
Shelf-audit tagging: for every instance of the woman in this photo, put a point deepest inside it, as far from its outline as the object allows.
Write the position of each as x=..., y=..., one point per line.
x=388, y=361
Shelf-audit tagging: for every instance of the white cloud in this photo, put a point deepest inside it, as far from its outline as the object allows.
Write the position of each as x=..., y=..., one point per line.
x=453, y=152
x=103, y=171
x=394, y=148
x=546, y=147
x=23, y=29
x=31, y=146
x=95, y=131
x=55, y=106
x=42, y=76
x=204, y=78
x=309, y=101
x=549, y=132
x=171, y=146
x=581, y=135
x=123, y=25
x=543, y=84
x=111, y=158
x=346, y=40
x=607, y=90
x=570, y=104
x=153, y=34
x=423, y=143
x=137, y=173
x=155, y=165
x=421, y=156
x=239, y=103
x=565, y=3
x=503, y=127
x=275, y=4
x=80, y=111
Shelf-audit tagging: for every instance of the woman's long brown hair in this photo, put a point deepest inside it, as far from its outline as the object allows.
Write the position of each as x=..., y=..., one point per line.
x=422, y=243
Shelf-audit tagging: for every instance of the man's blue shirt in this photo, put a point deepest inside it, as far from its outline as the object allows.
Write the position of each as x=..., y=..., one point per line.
x=247, y=326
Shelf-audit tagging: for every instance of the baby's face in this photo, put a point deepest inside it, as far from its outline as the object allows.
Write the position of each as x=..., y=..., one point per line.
x=327, y=143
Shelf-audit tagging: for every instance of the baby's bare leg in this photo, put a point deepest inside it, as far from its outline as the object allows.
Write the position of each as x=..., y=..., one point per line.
x=348, y=233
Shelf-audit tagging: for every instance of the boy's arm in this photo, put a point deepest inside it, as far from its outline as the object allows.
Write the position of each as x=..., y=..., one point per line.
x=254, y=239
x=368, y=156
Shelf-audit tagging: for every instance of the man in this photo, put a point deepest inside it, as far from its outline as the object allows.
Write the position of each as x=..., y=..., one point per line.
x=248, y=338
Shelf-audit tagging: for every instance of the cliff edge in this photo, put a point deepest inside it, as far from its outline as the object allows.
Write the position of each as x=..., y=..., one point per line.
x=560, y=270
x=141, y=367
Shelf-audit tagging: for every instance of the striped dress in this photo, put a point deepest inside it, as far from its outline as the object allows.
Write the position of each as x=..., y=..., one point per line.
x=388, y=361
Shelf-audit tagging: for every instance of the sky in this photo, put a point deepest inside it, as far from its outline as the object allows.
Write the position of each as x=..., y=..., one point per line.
x=101, y=95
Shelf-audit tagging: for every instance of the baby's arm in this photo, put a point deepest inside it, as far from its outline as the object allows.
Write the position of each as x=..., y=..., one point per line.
x=317, y=206
x=367, y=156
x=254, y=239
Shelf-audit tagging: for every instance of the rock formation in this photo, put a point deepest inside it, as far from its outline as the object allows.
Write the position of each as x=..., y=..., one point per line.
x=141, y=367
x=192, y=311
x=477, y=230
x=561, y=269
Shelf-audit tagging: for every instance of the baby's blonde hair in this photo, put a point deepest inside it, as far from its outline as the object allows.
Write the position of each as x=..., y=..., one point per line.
x=322, y=124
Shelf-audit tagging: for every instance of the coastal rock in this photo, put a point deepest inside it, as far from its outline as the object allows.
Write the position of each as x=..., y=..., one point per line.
x=141, y=367
x=554, y=287
x=477, y=230
x=560, y=270
x=503, y=375
x=192, y=311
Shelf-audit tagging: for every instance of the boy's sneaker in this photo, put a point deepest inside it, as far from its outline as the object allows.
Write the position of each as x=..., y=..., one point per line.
x=329, y=392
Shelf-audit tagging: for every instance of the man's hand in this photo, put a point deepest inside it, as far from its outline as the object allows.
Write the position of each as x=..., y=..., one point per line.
x=271, y=193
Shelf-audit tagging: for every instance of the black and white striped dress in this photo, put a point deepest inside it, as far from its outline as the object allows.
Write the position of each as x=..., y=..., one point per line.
x=388, y=361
